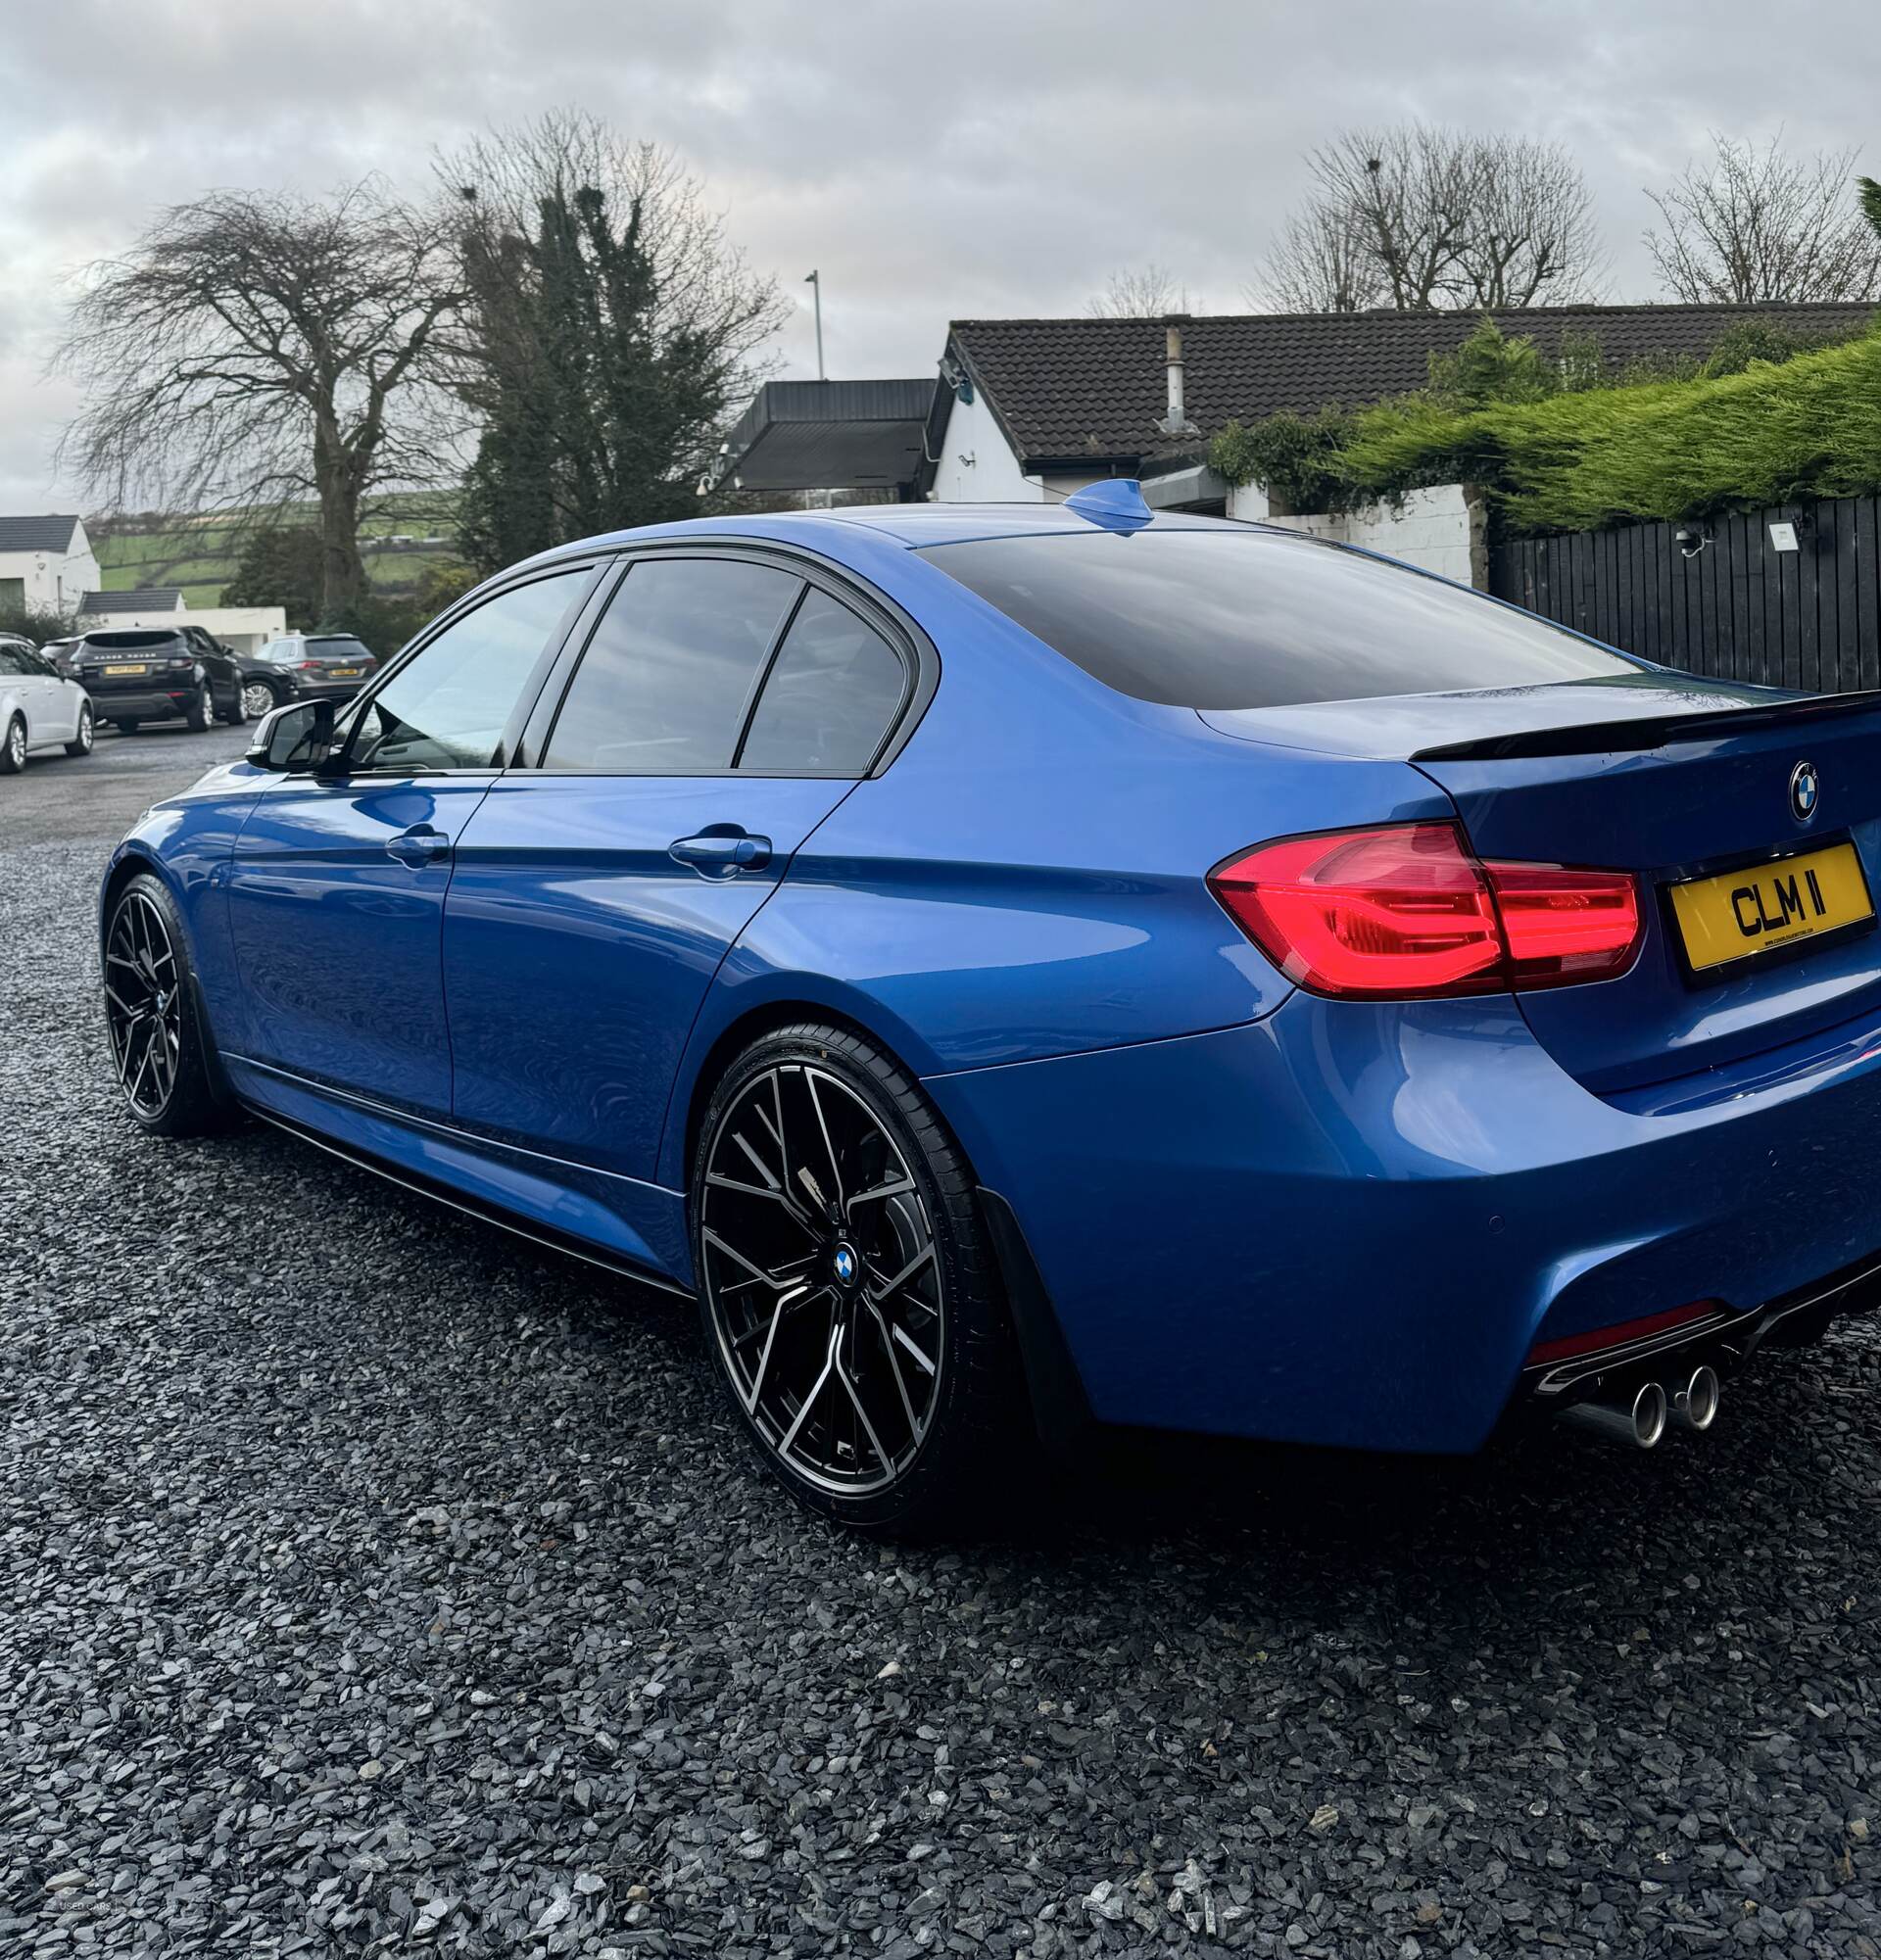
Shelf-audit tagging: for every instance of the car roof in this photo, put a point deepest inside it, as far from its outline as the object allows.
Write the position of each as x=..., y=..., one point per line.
x=911, y=525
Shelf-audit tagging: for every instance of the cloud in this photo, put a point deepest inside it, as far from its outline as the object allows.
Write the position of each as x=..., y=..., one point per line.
x=982, y=157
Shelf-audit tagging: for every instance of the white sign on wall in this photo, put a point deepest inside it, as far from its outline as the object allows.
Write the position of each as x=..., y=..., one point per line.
x=1783, y=537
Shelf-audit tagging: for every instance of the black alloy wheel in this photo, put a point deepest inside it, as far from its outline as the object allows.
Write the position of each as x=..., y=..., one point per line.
x=844, y=1286
x=157, y=1040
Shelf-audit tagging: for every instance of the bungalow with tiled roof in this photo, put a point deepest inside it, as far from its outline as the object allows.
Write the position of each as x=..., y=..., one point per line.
x=1027, y=410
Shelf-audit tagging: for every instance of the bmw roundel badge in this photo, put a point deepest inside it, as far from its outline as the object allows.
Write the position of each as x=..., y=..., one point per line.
x=1805, y=792
x=844, y=1264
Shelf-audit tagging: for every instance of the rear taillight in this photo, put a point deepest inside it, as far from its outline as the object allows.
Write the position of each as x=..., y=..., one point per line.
x=308, y=666
x=1407, y=911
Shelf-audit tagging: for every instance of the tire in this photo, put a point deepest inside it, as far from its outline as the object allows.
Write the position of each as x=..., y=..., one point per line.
x=889, y=1397
x=236, y=713
x=158, y=1039
x=12, y=751
x=125, y=725
x=201, y=712
x=81, y=744
x=258, y=698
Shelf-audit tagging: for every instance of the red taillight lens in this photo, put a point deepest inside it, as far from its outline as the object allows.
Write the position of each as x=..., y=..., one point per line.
x=308, y=666
x=1406, y=911
x=1564, y=925
x=1386, y=912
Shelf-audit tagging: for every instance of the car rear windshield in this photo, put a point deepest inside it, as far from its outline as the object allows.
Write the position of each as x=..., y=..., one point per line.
x=335, y=646
x=129, y=640
x=1259, y=619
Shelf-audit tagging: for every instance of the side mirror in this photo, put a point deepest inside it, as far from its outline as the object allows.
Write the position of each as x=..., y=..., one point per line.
x=294, y=741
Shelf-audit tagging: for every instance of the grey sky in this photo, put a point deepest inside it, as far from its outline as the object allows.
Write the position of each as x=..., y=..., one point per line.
x=983, y=157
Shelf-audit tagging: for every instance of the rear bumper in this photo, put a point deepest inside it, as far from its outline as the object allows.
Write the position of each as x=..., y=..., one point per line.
x=325, y=690
x=146, y=703
x=1350, y=1223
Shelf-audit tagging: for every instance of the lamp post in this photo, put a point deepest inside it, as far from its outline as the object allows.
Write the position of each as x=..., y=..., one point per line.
x=813, y=279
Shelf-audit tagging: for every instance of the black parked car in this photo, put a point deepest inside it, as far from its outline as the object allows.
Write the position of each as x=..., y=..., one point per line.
x=159, y=673
x=306, y=666
x=62, y=653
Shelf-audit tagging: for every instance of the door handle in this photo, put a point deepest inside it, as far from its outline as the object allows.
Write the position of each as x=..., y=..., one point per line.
x=418, y=846
x=721, y=853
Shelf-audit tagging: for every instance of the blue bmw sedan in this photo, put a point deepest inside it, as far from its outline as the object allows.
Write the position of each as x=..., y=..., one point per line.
x=1019, y=967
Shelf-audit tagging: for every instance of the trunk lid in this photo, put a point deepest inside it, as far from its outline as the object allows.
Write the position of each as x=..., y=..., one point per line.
x=1675, y=779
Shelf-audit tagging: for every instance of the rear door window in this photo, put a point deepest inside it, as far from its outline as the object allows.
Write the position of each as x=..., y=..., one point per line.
x=666, y=681
x=829, y=698
x=1259, y=619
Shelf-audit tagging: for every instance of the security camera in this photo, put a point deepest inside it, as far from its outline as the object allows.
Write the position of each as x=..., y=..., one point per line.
x=1690, y=540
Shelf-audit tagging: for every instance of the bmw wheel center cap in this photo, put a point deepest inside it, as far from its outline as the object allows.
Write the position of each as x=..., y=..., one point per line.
x=844, y=1264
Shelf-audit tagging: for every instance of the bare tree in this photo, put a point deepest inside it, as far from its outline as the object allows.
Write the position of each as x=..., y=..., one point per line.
x=1415, y=219
x=255, y=349
x=1139, y=293
x=1323, y=263
x=1531, y=238
x=1757, y=224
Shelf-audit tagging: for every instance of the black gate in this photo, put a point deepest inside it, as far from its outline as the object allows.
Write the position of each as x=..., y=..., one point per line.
x=1727, y=600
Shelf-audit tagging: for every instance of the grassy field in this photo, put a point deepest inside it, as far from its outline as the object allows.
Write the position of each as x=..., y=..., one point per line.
x=200, y=553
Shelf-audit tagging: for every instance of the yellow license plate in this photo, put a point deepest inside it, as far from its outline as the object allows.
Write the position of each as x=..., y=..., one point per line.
x=1740, y=914
x=124, y=670
x=345, y=673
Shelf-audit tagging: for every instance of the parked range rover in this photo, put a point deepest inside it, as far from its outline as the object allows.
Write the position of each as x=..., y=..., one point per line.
x=136, y=674
x=304, y=667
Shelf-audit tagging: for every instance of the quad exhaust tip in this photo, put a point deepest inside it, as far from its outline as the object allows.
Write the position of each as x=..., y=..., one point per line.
x=1694, y=1401
x=1638, y=1417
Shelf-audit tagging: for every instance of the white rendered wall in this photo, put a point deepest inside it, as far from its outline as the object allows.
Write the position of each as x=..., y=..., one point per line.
x=1431, y=529
x=977, y=466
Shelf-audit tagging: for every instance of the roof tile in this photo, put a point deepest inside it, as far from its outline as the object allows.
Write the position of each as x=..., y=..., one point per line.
x=36, y=533
x=1072, y=388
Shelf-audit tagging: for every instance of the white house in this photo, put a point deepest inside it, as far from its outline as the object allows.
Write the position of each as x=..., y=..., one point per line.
x=45, y=562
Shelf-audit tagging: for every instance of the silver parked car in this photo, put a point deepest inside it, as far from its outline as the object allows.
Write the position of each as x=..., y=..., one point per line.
x=39, y=709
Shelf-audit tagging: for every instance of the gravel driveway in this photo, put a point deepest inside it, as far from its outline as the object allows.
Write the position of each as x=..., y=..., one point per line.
x=376, y=1584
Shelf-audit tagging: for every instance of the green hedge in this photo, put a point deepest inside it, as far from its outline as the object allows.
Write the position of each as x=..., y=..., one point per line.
x=1665, y=449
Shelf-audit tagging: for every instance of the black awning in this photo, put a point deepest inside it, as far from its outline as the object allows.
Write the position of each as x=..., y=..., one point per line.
x=829, y=435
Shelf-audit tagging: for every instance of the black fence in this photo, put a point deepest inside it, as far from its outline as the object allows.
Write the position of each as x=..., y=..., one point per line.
x=1727, y=600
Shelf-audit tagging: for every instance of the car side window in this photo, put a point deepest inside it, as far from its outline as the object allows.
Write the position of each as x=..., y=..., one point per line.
x=10, y=662
x=831, y=694
x=446, y=707
x=664, y=683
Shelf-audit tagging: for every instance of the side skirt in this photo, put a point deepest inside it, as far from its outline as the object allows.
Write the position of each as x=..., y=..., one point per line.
x=622, y=1224
x=458, y=1201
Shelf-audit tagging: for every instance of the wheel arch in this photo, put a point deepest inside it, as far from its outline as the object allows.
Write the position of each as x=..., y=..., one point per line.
x=131, y=860
x=701, y=1077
